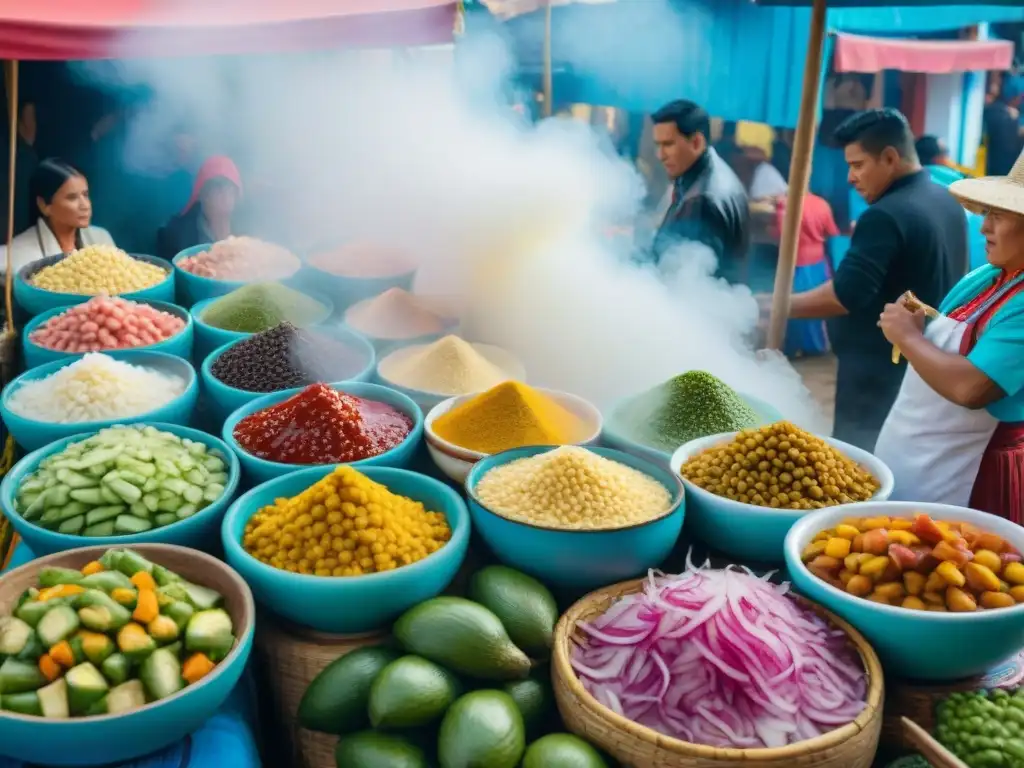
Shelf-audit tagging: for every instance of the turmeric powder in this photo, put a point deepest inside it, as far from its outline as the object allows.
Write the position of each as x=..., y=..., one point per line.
x=510, y=415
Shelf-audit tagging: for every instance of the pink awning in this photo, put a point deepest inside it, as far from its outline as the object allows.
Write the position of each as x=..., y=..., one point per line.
x=854, y=53
x=97, y=29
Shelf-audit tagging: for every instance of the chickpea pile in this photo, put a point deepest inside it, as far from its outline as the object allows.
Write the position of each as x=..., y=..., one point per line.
x=98, y=269
x=922, y=564
x=344, y=525
x=780, y=466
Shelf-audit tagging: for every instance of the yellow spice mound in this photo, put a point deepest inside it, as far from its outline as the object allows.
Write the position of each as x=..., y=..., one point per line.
x=572, y=488
x=449, y=366
x=344, y=525
x=98, y=269
x=510, y=415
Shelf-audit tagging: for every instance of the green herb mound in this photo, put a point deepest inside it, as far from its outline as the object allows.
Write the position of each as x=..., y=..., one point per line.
x=910, y=761
x=690, y=406
x=255, y=308
x=983, y=728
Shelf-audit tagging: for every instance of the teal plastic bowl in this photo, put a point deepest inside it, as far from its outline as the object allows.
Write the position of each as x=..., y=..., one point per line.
x=571, y=559
x=32, y=435
x=192, y=288
x=179, y=345
x=35, y=301
x=751, y=533
x=349, y=604
x=110, y=739
x=915, y=645
x=224, y=400
x=616, y=436
x=259, y=470
x=198, y=532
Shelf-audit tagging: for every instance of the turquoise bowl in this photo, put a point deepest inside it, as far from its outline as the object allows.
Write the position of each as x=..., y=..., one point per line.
x=349, y=604
x=615, y=436
x=192, y=288
x=915, y=645
x=259, y=470
x=346, y=291
x=110, y=739
x=747, y=532
x=224, y=400
x=35, y=301
x=179, y=345
x=198, y=532
x=574, y=559
x=32, y=435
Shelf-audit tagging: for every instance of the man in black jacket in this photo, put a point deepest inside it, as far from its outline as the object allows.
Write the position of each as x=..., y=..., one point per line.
x=709, y=204
x=912, y=238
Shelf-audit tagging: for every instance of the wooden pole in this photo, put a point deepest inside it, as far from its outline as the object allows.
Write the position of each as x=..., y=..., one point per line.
x=12, y=113
x=549, y=82
x=799, y=175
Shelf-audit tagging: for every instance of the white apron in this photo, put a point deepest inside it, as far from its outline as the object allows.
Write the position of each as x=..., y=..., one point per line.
x=934, y=447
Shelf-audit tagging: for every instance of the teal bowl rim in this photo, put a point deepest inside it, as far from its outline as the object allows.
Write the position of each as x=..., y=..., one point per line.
x=517, y=375
x=407, y=407
x=197, y=309
x=486, y=464
x=165, y=306
x=990, y=522
x=124, y=355
x=409, y=274
x=30, y=269
x=241, y=641
x=355, y=338
x=460, y=531
x=7, y=492
x=212, y=281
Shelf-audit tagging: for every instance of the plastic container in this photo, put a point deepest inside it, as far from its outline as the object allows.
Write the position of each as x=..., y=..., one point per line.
x=751, y=533
x=915, y=645
x=259, y=470
x=35, y=301
x=192, y=288
x=349, y=604
x=179, y=345
x=615, y=437
x=198, y=532
x=32, y=435
x=107, y=739
x=578, y=559
x=223, y=400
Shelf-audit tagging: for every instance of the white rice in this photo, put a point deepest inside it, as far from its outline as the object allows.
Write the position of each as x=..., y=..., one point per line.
x=95, y=388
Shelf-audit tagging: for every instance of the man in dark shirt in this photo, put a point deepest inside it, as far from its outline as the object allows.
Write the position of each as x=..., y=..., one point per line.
x=912, y=238
x=709, y=204
x=1004, y=140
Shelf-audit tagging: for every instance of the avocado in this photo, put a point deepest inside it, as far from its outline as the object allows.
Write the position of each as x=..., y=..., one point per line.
x=525, y=606
x=535, y=700
x=411, y=692
x=370, y=749
x=336, y=701
x=482, y=728
x=562, y=750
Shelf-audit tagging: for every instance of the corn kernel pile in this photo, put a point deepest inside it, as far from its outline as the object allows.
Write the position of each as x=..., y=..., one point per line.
x=572, y=488
x=344, y=525
x=782, y=467
x=98, y=269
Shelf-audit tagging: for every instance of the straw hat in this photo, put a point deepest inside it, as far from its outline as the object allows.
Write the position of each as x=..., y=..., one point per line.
x=1004, y=193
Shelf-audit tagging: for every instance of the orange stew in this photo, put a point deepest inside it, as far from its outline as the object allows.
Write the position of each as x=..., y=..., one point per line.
x=922, y=564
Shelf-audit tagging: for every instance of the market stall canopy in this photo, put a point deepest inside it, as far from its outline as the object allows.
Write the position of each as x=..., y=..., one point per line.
x=855, y=53
x=99, y=29
x=509, y=9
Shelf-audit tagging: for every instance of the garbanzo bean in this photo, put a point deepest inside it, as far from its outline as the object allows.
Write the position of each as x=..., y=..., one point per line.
x=786, y=468
x=97, y=269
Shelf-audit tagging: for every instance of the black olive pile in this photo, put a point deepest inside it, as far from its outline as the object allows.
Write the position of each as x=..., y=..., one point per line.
x=284, y=357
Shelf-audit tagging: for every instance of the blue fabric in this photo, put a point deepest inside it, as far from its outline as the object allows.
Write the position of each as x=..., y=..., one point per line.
x=808, y=337
x=999, y=351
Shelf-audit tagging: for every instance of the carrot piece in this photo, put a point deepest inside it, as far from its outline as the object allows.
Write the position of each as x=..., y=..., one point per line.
x=196, y=667
x=94, y=567
x=147, y=608
x=143, y=580
x=63, y=655
x=61, y=590
x=51, y=669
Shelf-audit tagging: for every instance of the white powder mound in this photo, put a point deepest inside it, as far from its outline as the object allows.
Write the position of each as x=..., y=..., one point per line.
x=95, y=388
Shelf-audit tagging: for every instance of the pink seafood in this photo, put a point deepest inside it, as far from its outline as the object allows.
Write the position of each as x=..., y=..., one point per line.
x=105, y=323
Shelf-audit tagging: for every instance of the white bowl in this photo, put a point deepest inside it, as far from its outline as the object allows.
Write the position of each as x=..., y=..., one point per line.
x=922, y=645
x=748, y=532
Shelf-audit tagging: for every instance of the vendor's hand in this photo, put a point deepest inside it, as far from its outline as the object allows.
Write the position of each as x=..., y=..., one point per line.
x=898, y=323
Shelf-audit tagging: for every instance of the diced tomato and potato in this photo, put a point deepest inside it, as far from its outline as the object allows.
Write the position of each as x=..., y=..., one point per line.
x=919, y=563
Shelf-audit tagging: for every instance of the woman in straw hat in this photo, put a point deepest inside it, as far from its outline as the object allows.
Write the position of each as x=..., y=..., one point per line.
x=956, y=432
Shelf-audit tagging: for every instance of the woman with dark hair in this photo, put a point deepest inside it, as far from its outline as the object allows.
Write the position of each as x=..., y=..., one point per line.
x=207, y=217
x=60, y=216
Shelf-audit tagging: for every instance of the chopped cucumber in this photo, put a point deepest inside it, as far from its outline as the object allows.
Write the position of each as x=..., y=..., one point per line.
x=33, y=649
x=20, y=676
x=100, y=612
x=34, y=610
x=53, y=700
x=86, y=686
x=202, y=598
x=52, y=577
x=96, y=647
x=15, y=635
x=102, y=514
x=105, y=528
x=131, y=563
x=72, y=527
x=134, y=642
x=161, y=674
x=163, y=629
x=128, y=524
x=58, y=624
x=126, y=697
x=22, y=703
x=180, y=612
x=210, y=632
x=116, y=668
x=107, y=581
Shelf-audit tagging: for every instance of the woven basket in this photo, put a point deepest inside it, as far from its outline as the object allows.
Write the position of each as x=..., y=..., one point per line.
x=635, y=746
x=292, y=658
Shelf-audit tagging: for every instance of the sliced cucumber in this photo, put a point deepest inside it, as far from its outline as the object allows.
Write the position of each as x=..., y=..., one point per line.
x=58, y=624
x=15, y=634
x=106, y=581
x=20, y=676
x=161, y=674
x=210, y=632
x=86, y=686
x=22, y=703
x=53, y=700
x=126, y=697
x=202, y=598
x=51, y=577
x=116, y=669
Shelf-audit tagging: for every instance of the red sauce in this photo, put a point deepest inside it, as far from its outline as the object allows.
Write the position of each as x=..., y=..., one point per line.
x=320, y=425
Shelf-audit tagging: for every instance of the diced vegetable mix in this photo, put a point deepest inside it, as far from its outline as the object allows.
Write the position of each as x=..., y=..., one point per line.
x=123, y=480
x=919, y=563
x=118, y=634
